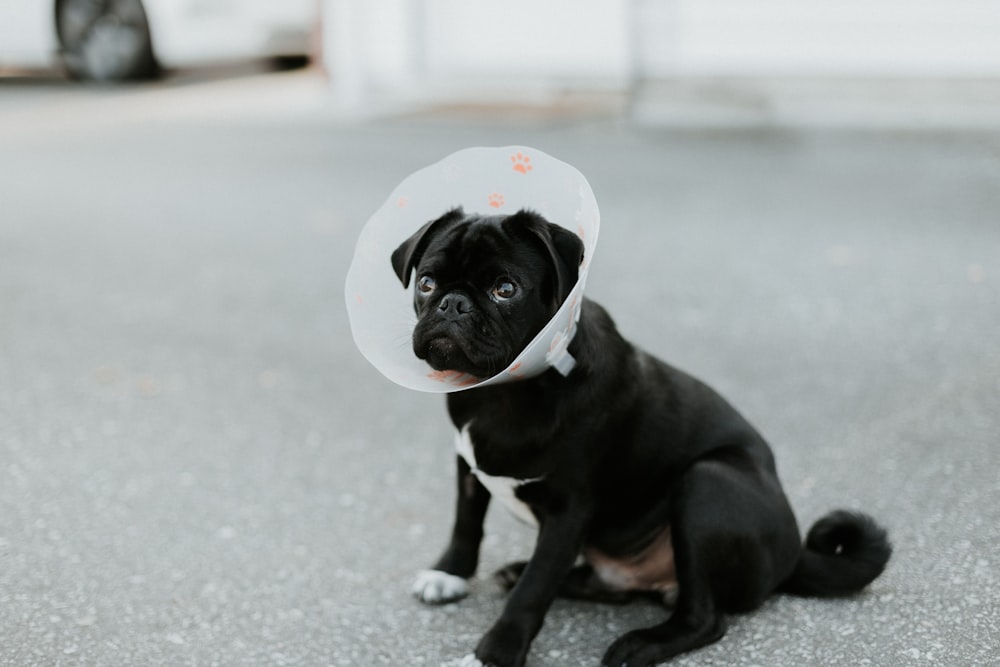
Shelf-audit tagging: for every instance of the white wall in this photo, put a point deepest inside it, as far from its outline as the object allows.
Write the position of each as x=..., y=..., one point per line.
x=570, y=38
x=411, y=46
x=372, y=46
x=820, y=37
x=26, y=35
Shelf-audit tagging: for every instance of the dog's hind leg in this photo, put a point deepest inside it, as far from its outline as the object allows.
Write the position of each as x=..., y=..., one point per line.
x=734, y=540
x=695, y=622
x=685, y=630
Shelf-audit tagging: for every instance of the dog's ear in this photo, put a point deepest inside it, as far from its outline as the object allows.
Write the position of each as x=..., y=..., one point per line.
x=564, y=248
x=408, y=254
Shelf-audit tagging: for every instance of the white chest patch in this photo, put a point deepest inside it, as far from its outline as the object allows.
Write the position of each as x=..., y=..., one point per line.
x=500, y=488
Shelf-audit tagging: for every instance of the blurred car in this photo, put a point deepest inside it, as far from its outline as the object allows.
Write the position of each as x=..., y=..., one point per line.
x=120, y=40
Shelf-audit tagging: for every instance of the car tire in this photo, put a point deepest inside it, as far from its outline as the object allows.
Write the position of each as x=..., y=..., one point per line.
x=105, y=40
x=289, y=63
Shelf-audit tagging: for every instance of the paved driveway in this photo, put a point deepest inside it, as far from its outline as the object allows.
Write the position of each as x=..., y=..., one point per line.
x=197, y=467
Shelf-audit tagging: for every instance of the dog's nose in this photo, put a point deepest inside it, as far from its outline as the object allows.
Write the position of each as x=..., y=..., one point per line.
x=454, y=306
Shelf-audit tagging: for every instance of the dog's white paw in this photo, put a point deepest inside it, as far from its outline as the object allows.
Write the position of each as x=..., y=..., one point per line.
x=437, y=587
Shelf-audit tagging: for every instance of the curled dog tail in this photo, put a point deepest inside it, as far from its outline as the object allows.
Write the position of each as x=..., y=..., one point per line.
x=844, y=551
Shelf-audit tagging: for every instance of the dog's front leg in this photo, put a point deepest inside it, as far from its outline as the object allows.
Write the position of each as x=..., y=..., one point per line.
x=446, y=581
x=559, y=542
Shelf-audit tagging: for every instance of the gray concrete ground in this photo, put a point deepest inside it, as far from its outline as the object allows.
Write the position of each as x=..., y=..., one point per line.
x=198, y=468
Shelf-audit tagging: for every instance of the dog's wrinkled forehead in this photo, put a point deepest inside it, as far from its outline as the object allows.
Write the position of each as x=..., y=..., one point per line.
x=478, y=250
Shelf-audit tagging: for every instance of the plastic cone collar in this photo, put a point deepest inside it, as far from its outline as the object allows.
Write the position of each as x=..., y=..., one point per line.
x=488, y=181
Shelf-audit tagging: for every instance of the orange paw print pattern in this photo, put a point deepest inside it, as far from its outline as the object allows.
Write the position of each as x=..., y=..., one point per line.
x=495, y=200
x=522, y=163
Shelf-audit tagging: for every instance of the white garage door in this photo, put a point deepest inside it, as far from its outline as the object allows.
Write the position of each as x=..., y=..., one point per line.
x=819, y=37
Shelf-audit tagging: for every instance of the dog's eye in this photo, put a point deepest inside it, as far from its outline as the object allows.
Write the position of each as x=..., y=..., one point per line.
x=426, y=284
x=504, y=289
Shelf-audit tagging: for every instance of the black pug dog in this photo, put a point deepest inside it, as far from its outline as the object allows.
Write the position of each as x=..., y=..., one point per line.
x=641, y=479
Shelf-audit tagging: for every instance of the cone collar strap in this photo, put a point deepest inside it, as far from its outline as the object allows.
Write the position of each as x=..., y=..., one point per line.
x=489, y=181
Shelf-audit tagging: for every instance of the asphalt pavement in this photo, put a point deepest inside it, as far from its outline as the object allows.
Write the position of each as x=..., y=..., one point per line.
x=198, y=468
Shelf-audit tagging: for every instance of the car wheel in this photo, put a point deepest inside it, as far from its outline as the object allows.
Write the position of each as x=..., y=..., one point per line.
x=288, y=63
x=105, y=40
